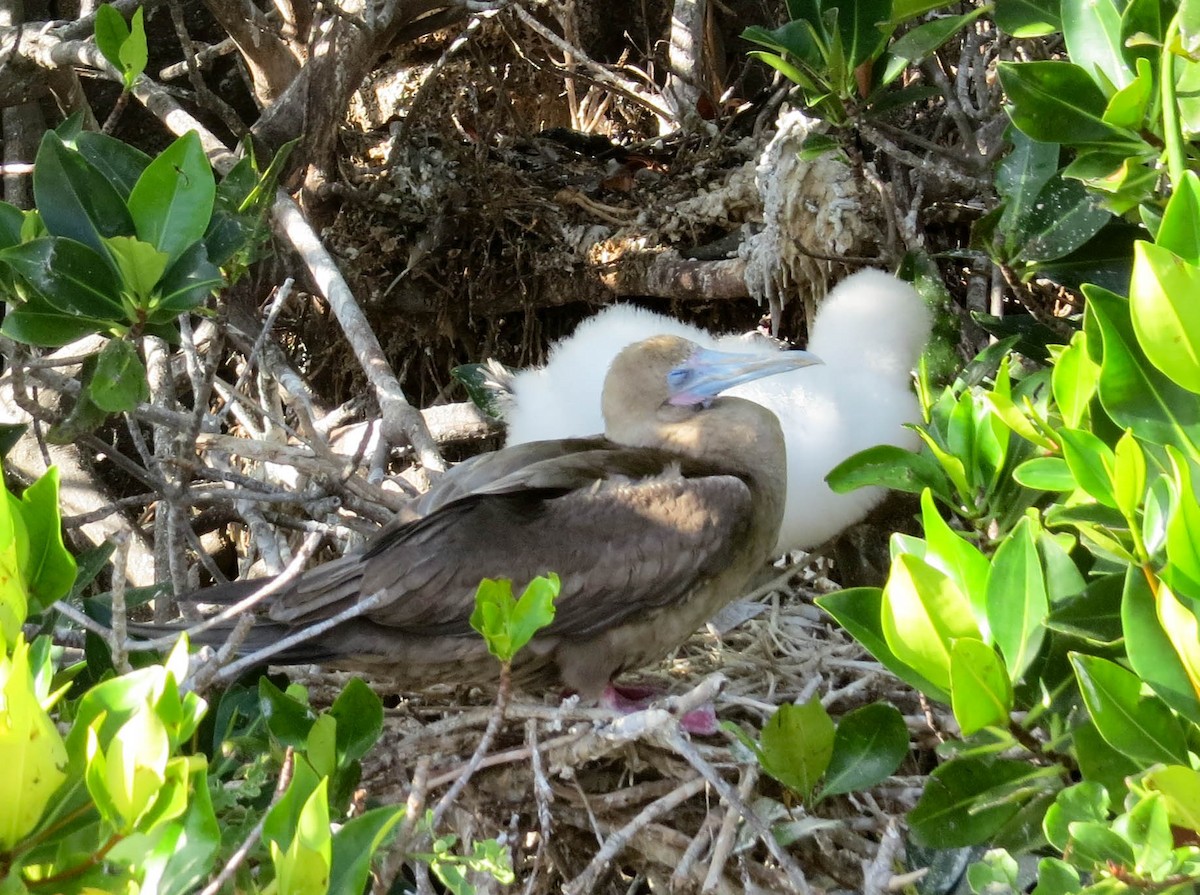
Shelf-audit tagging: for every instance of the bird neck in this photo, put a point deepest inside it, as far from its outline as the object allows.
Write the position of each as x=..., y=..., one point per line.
x=734, y=435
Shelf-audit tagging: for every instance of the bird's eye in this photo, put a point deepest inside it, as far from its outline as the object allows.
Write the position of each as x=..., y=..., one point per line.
x=679, y=377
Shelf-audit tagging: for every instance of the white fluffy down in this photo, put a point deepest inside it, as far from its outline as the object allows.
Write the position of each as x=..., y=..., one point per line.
x=869, y=331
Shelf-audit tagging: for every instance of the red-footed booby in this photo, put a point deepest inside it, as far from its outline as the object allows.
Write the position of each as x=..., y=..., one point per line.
x=652, y=527
x=869, y=332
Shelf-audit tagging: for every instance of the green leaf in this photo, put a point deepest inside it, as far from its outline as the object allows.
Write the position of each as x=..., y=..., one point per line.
x=118, y=162
x=1092, y=31
x=922, y=613
x=48, y=328
x=49, y=570
x=140, y=265
x=1064, y=216
x=288, y=719
x=1147, y=827
x=1129, y=105
x=919, y=42
x=1058, y=102
x=1179, y=788
x=1091, y=462
x=1183, y=553
x=1016, y=603
x=981, y=694
x=1165, y=315
x=111, y=31
x=892, y=467
x=1140, y=726
x=1102, y=763
x=860, y=26
x=957, y=557
x=359, y=715
x=355, y=844
x=1056, y=877
x=1134, y=393
x=1094, y=615
x=796, y=745
x=1028, y=18
x=173, y=199
x=1074, y=380
x=74, y=199
x=1129, y=476
x=1021, y=175
x=1183, y=630
x=1087, y=801
x=69, y=276
x=1045, y=474
x=507, y=624
x=1094, y=846
x=185, y=285
x=868, y=746
x=1179, y=231
x=134, y=53
x=966, y=800
x=858, y=611
x=119, y=383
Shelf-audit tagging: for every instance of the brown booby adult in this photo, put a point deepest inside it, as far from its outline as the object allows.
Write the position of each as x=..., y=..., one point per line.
x=652, y=527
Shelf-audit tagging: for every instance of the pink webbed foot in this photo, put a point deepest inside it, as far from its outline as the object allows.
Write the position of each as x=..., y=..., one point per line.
x=630, y=698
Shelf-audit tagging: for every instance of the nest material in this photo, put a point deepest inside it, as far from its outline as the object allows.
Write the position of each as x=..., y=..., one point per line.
x=588, y=801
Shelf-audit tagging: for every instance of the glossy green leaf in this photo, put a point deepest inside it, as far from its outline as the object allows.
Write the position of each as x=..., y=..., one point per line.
x=1147, y=827
x=119, y=163
x=1017, y=603
x=1045, y=474
x=119, y=382
x=1028, y=18
x=919, y=42
x=355, y=844
x=981, y=694
x=1129, y=105
x=953, y=554
x=185, y=285
x=1179, y=787
x=1140, y=726
x=289, y=719
x=1134, y=393
x=69, y=276
x=359, y=715
x=868, y=746
x=1063, y=217
x=134, y=53
x=892, y=467
x=1100, y=762
x=1086, y=801
x=46, y=326
x=140, y=264
x=1074, y=380
x=74, y=199
x=1094, y=846
x=303, y=868
x=1056, y=877
x=1129, y=476
x=923, y=613
x=951, y=465
x=173, y=199
x=49, y=569
x=965, y=801
x=796, y=745
x=1094, y=615
x=1165, y=315
x=858, y=611
x=110, y=32
x=1058, y=102
x=507, y=624
x=1183, y=630
x=1183, y=552
x=1092, y=31
x=1179, y=231
x=1021, y=175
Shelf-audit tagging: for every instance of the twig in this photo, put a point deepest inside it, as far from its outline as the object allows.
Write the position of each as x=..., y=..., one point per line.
x=680, y=744
x=117, y=637
x=877, y=872
x=727, y=836
x=414, y=807
x=616, y=842
x=485, y=743
x=235, y=860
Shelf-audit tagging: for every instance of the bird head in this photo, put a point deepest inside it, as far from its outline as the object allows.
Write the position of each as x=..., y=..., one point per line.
x=668, y=378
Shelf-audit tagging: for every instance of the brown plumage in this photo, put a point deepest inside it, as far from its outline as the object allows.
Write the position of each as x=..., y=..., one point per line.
x=652, y=528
